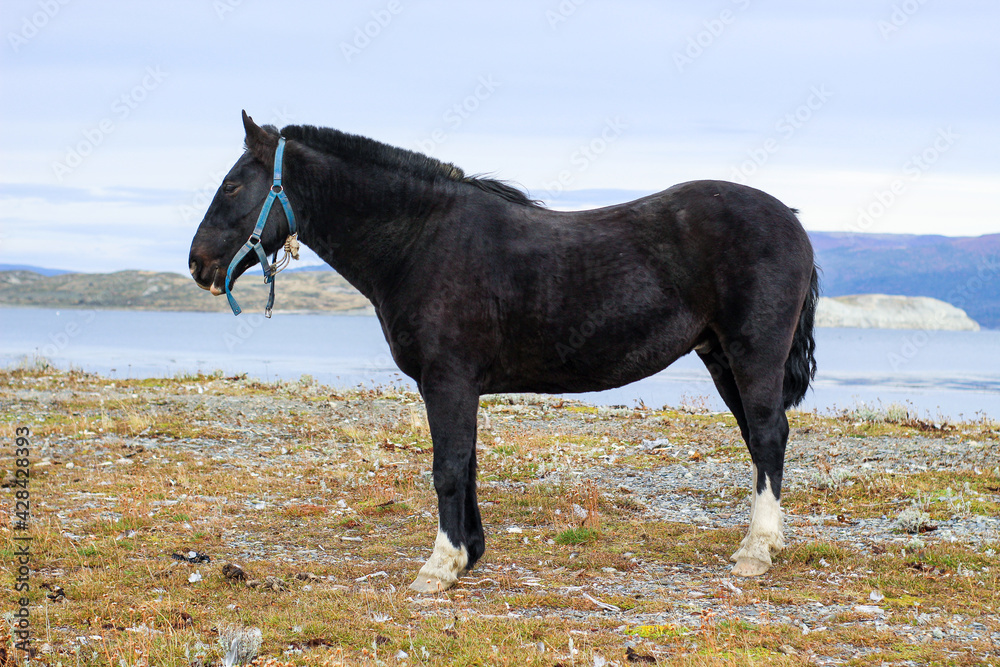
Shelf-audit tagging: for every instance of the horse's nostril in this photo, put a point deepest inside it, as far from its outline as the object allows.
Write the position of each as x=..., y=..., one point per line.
x=194, y=269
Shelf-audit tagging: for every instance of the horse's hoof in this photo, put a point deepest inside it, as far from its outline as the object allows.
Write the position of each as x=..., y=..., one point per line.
x=750, y=567
x=428, y=583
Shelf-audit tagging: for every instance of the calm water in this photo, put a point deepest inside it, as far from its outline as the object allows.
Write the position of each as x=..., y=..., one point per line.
x=939, y=373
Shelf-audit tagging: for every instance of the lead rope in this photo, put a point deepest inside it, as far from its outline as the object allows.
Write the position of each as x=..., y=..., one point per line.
x=291, y=251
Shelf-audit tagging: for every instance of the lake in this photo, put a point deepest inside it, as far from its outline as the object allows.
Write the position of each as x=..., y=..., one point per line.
x=938, y=373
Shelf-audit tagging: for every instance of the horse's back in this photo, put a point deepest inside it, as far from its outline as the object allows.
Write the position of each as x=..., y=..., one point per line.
x=582, y=301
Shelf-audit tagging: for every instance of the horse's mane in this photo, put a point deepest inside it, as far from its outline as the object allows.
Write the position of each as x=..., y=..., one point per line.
x=362, y=150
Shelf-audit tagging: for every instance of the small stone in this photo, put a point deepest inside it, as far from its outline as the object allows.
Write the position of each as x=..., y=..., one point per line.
x=869, y=609
x=876, y=596
x=732, y=588
x=650, y=445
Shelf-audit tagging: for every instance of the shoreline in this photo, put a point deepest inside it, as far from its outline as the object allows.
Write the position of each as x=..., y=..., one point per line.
x=370, y=311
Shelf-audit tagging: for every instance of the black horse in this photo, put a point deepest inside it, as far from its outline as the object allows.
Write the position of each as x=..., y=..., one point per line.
x=481, y=290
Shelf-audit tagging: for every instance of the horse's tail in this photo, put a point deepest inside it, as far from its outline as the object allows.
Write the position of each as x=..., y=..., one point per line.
x=800, y=367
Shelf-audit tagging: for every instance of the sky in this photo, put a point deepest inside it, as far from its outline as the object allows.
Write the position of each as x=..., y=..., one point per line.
x=119, y=119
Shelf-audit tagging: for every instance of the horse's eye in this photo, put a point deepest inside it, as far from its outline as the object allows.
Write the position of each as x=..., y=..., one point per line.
x=230, y=188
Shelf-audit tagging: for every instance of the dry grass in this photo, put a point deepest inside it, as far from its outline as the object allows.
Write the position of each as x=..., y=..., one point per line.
x=328, y=492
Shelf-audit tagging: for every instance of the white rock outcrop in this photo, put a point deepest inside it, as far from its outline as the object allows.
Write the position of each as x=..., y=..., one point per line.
x=884, y=311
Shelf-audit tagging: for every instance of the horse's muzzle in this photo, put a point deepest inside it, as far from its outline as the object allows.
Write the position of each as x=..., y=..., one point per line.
x=207, y=279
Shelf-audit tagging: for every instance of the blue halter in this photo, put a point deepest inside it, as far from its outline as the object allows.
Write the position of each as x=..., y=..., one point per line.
x=253, y=243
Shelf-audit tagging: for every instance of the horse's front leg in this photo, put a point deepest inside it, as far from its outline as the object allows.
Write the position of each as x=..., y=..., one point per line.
x=451, y=412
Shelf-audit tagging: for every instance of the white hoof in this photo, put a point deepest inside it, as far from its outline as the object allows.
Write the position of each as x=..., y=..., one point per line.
x=430, y=584
x=750, y=567
x=443, y=568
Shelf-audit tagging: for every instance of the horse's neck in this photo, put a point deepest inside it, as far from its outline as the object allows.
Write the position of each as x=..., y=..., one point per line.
x=362, y=225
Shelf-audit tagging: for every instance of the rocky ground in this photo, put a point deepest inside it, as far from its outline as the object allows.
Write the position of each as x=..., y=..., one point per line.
x=608, y=531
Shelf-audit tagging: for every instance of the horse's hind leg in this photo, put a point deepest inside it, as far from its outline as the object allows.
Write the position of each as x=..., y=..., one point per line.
x=451, y=414
x=717, y=362
x=768, y=437
x=751, y=385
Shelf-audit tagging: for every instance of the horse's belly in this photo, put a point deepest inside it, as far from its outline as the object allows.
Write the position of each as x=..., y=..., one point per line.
x=594, y=358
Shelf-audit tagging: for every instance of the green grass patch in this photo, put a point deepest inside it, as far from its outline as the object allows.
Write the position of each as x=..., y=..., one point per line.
x=577, y=536
x=667, y=631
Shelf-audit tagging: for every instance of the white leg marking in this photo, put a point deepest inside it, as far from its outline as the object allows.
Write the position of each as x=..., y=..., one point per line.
x=443, y=568
x=765, y=536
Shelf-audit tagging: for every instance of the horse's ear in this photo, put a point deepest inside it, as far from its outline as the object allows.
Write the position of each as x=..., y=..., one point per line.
x=259, y=141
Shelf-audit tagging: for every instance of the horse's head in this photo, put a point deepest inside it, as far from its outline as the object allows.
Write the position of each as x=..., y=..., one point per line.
x=231, y=216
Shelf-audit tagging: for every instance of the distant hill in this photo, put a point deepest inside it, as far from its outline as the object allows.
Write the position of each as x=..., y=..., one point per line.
x=148, y=290
x=34, y=269
x=309, y=269
x=880, y=311
x=962, y=271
